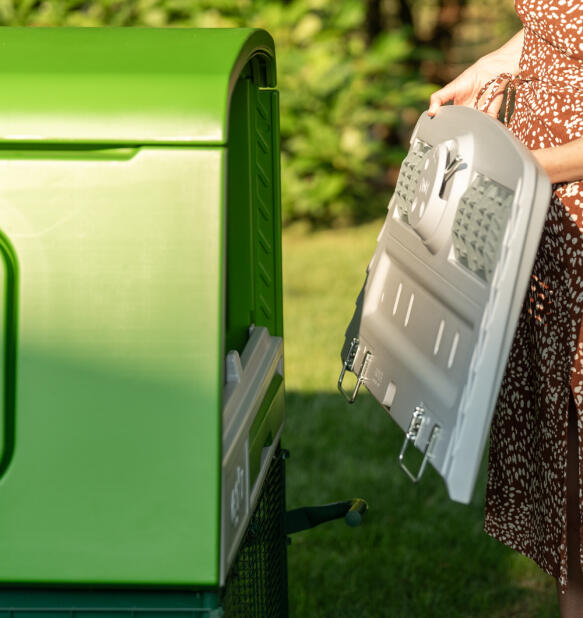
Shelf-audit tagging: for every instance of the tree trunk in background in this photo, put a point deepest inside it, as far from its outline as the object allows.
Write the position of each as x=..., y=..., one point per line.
x=441, y=37
x=406, y=15
x=374, y=20
x=449, y=15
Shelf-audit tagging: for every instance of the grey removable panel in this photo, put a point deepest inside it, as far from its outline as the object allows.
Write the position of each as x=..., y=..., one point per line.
x=434, y=321
x=247, y=382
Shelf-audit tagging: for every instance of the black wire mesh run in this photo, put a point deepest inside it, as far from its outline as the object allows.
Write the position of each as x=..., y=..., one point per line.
x=256, y=586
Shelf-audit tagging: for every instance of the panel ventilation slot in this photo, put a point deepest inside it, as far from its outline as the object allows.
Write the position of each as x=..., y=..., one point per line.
x=452, y=352
x=479, y=225
x=408, y=180
x=409, y=309
x=397, y=298
x=438, y=338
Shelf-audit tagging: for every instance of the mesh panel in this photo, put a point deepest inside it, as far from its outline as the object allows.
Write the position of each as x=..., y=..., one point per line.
x=480, y=223
x=408, y=180
x=257, y=583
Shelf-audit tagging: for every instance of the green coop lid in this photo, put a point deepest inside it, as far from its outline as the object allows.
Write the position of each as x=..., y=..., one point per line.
x=123, y=85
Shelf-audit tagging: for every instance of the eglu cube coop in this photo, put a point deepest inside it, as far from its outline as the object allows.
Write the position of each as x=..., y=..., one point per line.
x=142, y=344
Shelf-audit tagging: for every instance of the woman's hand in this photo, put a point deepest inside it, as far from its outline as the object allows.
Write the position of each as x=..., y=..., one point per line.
x=464, y=89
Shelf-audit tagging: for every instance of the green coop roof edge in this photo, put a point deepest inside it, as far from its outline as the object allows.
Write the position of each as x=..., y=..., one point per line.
x=125, y=86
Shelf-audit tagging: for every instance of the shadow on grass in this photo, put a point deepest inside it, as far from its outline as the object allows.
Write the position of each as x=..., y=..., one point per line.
x=418, y=554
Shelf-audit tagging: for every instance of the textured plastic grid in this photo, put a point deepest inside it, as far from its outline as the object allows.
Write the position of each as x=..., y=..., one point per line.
x=257, y=583
x=480, y=223
x=408, y=179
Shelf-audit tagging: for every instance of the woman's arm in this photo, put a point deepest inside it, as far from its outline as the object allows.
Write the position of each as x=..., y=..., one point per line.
x=562, y=163
x=464, y=88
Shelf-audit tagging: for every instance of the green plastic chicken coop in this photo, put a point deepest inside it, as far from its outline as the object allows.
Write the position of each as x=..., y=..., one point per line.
x=142, y=365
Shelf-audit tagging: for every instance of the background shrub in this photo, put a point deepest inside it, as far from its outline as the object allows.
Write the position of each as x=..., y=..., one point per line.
x=354, y=76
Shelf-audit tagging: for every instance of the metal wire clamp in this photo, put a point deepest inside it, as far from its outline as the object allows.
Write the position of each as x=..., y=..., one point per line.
x=348, y=366
x=410, y=436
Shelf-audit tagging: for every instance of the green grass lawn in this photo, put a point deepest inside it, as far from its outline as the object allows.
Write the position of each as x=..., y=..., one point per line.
x=417, y=554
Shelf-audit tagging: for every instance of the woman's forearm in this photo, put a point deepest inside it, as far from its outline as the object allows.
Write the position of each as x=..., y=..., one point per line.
x=507, y=57
x=562, y=163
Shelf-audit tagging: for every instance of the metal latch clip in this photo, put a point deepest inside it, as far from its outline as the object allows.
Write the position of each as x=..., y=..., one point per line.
x=348, y=365
x=411, y=436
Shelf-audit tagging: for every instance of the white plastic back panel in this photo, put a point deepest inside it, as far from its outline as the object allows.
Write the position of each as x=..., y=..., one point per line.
x=435, y=319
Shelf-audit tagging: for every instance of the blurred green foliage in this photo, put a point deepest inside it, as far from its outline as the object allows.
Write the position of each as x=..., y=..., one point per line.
x=343, y=107
x=351, y=87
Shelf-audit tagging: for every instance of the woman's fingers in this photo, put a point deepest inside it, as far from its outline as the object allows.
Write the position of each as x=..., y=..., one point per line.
x=473, y=88
x=493, y=108
x=460, y=91
x=440, y=97
x=492, y=97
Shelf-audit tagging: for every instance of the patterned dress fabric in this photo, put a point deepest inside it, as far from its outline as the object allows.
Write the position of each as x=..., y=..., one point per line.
x=526, y=494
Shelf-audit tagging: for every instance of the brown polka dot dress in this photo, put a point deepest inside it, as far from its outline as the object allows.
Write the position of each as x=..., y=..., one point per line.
x=526, y=494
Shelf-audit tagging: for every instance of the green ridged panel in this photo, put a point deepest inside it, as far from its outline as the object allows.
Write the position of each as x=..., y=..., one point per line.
x=266, y=194
x=254, y=294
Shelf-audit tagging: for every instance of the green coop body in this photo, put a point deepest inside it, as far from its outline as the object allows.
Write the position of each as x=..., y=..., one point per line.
x=139, y=242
